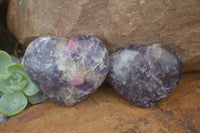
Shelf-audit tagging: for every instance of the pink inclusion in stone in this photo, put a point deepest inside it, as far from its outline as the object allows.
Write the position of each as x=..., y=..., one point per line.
x=72, y=44
x=78, y=81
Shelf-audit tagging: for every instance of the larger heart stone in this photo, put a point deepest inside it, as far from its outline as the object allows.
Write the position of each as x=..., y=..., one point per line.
x=145, y=75
x=67, y=71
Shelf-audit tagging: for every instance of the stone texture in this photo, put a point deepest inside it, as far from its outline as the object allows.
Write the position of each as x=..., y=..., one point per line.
x=67, y=70
x=145, y=75
x=106, y=111
x=117, y=22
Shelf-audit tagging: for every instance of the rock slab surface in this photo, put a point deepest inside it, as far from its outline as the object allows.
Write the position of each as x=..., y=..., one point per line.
x=175, y=23
x=106, y=111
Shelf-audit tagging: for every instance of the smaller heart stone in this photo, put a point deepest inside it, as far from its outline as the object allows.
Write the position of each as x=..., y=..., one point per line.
x=145, y=75
x=67, y=70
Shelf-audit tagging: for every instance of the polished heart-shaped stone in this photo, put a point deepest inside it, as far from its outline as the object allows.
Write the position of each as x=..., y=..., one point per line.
x=145, y=75
x=67, y=70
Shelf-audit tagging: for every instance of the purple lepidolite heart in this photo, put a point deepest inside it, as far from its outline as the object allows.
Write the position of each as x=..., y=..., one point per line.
x=145, y=75
x=67, y=71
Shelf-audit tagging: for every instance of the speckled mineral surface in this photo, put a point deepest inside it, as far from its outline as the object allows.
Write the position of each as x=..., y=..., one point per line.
x=67, y=71
x=145, y=75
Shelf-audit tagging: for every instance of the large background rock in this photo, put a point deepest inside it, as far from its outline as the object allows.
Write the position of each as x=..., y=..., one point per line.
x=117, y=22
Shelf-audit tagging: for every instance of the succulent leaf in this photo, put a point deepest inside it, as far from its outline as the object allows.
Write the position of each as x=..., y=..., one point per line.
x=16, y=67
x=12, y=104
x=22, y=61
x=4, y=87
x=19, y=86
x=37, y=98
x=30, y=89
x=5, y=60
x=15, y=86
x=15, y=81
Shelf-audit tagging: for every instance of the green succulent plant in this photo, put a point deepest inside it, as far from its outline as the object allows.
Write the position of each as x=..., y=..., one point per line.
x=16, y=86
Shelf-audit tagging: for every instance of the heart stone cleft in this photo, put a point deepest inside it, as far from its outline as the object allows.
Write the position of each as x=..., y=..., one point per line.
x=67, y=71
x=145, y=75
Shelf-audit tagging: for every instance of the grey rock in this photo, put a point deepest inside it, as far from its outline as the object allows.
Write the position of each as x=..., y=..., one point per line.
x=3, y=118
x=145, y=75
x=67, y=71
